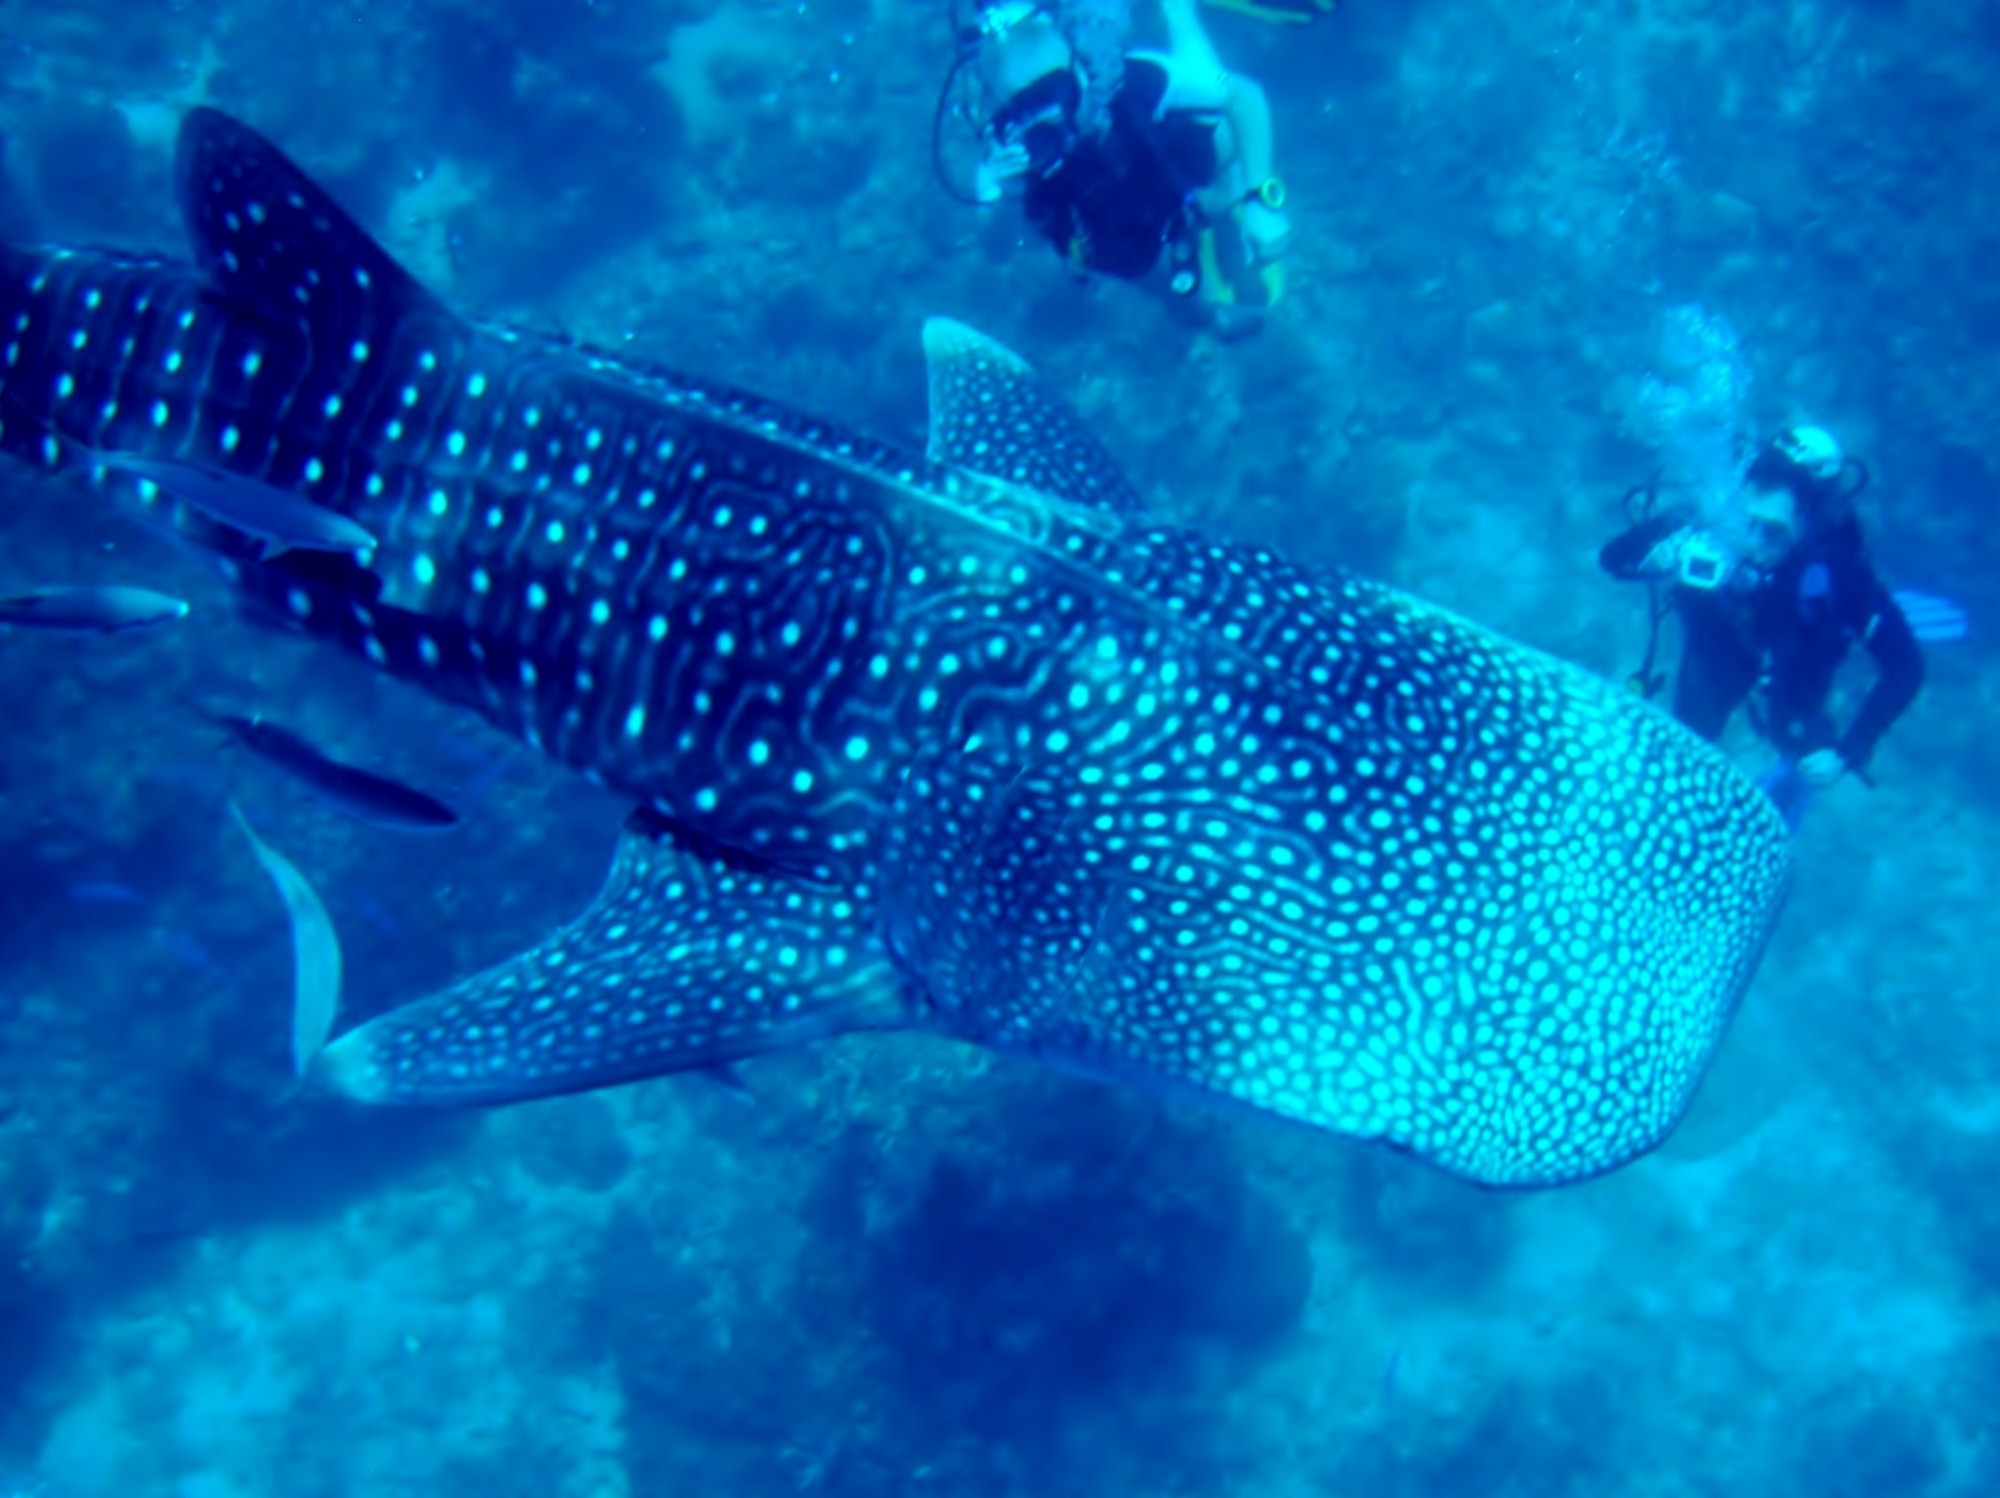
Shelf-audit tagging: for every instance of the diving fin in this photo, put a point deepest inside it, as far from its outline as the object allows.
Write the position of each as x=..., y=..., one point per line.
x=1933, y=618
x=689, y=959
x=1279, y=12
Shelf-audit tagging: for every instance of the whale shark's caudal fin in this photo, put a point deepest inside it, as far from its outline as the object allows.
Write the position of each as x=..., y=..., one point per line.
x=689, y=959
x=275, y=245
x=244, y=406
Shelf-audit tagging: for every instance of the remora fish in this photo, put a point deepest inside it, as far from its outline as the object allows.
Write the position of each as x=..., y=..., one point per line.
x=349, y=789
x=256, y=509
x=236, y=505
x=109, y=609
x=916, y=744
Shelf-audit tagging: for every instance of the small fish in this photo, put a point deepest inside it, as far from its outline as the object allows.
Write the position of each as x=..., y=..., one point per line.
x=104, y=892
x=349, y=789
x=108, y=610
x=186, y=950
x=315, y=951
x=283, y=520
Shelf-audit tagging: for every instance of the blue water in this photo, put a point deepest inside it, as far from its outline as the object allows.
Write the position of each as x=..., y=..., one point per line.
x=898, y=1267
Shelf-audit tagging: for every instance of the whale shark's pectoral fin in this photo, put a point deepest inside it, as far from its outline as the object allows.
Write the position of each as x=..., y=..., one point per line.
x=991, y=413
x=688, y=959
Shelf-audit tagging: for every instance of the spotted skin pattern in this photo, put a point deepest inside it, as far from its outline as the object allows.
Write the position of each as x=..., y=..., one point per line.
x=683, y=961
x=964, y=743
x=990, y=413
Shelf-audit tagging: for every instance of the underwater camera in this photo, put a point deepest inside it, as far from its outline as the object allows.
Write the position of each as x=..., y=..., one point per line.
x=1704, y=564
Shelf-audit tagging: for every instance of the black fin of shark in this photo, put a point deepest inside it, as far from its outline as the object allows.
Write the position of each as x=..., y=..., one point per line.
x=686, y=961
x=273, y=243
x=991, y=413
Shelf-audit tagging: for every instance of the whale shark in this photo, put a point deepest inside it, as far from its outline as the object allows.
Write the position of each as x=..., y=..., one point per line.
x=964, y=741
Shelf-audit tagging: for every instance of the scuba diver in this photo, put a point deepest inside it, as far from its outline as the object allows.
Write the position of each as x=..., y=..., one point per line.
x=1771, y=600
x=1150, y=167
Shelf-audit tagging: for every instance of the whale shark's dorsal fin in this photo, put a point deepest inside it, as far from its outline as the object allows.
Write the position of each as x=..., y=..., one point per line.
x=273, y=243
x=991, y=413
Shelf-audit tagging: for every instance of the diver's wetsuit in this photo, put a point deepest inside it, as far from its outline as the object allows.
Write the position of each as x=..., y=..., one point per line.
x=1117, y=199
x=1788, y=634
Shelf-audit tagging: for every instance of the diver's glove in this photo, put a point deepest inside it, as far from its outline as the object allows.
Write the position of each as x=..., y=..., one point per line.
x=1822, y=768
x=997, y=168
